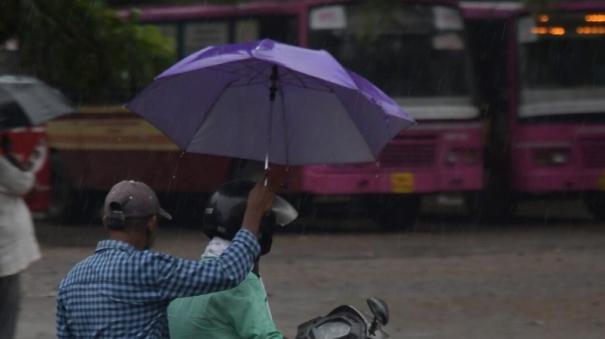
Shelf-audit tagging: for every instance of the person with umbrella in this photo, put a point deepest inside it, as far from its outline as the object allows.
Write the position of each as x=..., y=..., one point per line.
x=18, y=244
x=241, y=312
x=271, y=102
x=123, y=290
x=24, y=102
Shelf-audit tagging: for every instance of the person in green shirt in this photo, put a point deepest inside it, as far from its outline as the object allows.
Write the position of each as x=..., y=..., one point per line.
x=241, y=312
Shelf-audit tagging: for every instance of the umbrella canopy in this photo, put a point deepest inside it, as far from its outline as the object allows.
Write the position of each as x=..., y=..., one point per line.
x=262, y=99
x=26, y=101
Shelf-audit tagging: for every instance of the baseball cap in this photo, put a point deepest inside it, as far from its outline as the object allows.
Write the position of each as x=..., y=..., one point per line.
x=133, y=199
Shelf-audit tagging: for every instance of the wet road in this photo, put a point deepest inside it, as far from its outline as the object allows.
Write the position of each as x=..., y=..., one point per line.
x=443, y=280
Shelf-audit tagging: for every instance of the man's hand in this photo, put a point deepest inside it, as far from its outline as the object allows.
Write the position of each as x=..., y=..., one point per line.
x=260, y=200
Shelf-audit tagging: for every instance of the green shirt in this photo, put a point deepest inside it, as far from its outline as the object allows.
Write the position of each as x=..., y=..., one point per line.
x=238, y=313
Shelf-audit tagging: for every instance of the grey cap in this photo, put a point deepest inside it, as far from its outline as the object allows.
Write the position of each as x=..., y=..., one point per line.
x=134, y=199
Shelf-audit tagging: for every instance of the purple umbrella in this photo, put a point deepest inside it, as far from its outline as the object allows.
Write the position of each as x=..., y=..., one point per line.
x=267, y=100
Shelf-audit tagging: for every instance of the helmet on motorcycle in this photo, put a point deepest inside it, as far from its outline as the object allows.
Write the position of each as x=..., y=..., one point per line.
x=225, y=210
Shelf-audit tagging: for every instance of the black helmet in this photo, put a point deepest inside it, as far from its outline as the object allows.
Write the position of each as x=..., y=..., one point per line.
x=224, y=213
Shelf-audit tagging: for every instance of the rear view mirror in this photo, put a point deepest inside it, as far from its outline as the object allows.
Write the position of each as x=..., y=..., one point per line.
x=380, y=310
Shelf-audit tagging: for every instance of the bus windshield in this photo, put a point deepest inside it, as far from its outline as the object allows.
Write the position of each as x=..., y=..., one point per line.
x=422, y=60
x=191, y=35
x=562, y=65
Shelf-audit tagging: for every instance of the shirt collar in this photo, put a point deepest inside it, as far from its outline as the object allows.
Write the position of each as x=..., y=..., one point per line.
x=104, y=245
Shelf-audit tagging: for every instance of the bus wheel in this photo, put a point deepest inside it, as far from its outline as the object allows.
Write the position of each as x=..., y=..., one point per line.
x=595, y=201
x=491, y=206
x=485, y=207
x=396, y=212
x=62, y=193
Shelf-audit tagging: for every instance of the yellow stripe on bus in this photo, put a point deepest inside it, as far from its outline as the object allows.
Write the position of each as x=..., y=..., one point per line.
x=601, y=182
x=99, y=134
x=103, y=110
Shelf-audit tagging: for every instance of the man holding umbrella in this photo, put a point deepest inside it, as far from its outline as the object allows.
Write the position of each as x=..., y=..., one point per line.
x=270, y=102
x=123, y=290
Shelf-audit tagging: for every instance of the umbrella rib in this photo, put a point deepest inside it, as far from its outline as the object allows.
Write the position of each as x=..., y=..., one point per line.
x=250, y=84
x=328, y=90
x=304, y=85
x=285, y=125
x=237, y=73
x=216, y=99
x=222, y=68
x=284, y=71
x=294, y=75
x=248, y=67
x=375, y=156
x=259, y=72
x=226, y=69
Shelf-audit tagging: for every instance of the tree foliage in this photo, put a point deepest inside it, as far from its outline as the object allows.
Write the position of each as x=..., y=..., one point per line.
x=152, y=2
x=82, y=47
x=8, y=21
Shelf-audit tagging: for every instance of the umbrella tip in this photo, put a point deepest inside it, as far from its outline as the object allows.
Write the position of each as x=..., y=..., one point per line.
x=265, y=44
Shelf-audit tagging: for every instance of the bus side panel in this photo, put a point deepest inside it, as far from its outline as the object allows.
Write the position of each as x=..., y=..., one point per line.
x=102, y=146
x=165, y=171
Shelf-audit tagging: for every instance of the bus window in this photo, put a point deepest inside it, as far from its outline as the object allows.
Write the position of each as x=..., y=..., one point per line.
x=415, y=52
x=562, y=69
x=199, y=35
x=246, y=30
x=280, y=28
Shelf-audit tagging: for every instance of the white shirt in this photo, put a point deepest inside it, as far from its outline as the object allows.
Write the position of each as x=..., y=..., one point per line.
x=216, y=247
x=18, y=245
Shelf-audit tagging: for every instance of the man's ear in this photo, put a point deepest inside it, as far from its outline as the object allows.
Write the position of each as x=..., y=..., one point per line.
x=104, y=222
x=152, y=223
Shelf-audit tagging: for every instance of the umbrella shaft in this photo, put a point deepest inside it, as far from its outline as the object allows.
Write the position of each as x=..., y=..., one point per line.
x=273, y=89
x=272, y=92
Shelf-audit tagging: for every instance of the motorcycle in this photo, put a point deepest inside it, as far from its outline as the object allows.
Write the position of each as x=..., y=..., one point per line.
x=346, y=322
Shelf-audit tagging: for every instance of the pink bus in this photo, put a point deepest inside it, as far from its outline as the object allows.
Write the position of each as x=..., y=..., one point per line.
x=416, y=52
x=543, y=77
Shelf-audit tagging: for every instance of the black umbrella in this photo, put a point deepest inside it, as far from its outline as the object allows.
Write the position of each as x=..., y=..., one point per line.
x=27, y=101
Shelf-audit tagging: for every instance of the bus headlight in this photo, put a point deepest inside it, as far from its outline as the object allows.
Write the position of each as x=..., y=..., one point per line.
x=552, y=157
x=451, y=158
x=468, y=157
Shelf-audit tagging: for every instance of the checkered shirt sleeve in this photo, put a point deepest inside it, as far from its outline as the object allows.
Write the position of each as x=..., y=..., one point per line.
x=120, y=292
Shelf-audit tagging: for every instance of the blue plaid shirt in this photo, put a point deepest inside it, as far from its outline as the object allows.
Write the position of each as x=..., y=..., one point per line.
x=122, y=292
